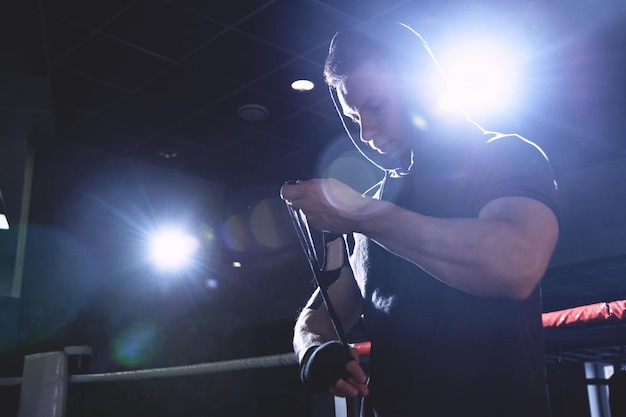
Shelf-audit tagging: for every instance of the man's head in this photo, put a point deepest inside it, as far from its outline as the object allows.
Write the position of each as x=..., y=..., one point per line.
x=387, y=82
x=390, y=43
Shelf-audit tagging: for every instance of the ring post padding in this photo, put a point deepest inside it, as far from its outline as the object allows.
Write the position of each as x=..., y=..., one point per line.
x=607, y=312
x=44, y=385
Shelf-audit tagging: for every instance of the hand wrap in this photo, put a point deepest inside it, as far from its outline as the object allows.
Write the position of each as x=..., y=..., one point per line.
x=322, y=366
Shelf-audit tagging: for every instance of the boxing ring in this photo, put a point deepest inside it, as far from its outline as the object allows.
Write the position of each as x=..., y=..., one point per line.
x=47, y=377
x=590, y=314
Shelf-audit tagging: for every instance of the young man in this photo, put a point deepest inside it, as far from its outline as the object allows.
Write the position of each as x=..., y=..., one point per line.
x=445, y=258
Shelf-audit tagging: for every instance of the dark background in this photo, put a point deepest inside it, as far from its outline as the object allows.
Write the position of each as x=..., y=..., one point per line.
x=94, y=97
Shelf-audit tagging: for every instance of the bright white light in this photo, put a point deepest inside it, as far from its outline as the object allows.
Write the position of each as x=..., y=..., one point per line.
x=236, y=264
x=4, y=223
x=484, y=76
x=172, y=249
x=302, y=85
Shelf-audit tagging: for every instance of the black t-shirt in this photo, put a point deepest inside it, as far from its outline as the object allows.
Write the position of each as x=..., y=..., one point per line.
x=438, y=351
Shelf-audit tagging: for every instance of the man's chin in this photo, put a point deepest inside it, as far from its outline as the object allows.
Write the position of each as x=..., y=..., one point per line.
x=394, y=163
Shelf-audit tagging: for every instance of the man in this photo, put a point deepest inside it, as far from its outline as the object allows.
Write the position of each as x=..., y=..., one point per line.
x=445, y=258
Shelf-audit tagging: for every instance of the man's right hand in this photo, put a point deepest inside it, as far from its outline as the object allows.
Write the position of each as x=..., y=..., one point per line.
x=334, y=367
x=355, y=384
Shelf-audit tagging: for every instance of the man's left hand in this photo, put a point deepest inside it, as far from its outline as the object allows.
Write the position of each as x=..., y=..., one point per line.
x=328, y=204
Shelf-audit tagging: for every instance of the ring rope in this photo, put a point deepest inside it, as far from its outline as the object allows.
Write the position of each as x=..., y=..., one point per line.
x=272, y=361
x=600, y=312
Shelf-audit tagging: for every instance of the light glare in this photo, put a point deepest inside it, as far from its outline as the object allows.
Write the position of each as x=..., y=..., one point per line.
x=172, y=249
x=484, y=77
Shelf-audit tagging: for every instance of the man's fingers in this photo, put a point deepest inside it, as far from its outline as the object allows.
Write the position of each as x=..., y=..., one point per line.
x=284, y=191
x=344, y=388
x=349, y=388
x=358, y=375
x=354, y=385
x=291, y=191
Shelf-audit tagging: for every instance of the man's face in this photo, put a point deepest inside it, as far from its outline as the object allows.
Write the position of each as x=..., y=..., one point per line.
x=372, y=97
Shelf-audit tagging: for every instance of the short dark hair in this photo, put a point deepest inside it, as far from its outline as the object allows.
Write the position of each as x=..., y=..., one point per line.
x=392, y=43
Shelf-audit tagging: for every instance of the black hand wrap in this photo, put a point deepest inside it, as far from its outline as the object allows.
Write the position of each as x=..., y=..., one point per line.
x=322, y=366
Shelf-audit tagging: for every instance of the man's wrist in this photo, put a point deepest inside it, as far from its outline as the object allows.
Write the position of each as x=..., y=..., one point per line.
x=322, y=366
x=366, y=221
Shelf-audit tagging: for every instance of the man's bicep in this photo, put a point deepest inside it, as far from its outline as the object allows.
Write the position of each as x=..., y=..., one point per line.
x=534, y=222
x=524, y=211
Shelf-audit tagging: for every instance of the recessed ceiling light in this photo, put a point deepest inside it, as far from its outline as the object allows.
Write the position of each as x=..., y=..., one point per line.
x=253, y=112
x=302, y=85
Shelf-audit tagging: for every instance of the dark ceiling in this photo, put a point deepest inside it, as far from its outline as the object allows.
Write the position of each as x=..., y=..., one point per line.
x=161, y=81
x=146, y=78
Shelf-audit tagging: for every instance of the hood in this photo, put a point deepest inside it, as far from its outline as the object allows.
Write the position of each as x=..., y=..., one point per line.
x=408, y=52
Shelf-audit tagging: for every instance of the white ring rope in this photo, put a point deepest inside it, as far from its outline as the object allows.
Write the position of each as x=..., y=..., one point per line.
x=584, y=314
x=272, y=361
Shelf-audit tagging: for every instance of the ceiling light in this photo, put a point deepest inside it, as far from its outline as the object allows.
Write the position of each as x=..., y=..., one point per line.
x=253, y=112
x=302, y=85
x=172, y=248
x=168, y=153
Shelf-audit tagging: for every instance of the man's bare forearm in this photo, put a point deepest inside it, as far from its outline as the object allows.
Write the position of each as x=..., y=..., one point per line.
x=312, y=328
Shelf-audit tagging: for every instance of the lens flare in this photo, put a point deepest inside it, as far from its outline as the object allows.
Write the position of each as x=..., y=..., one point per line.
x=135, y=345
x=342, y=161
x=234, y=234
x=264, y=223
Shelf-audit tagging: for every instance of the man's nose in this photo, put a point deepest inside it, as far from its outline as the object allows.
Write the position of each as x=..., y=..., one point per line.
x=368, y=130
